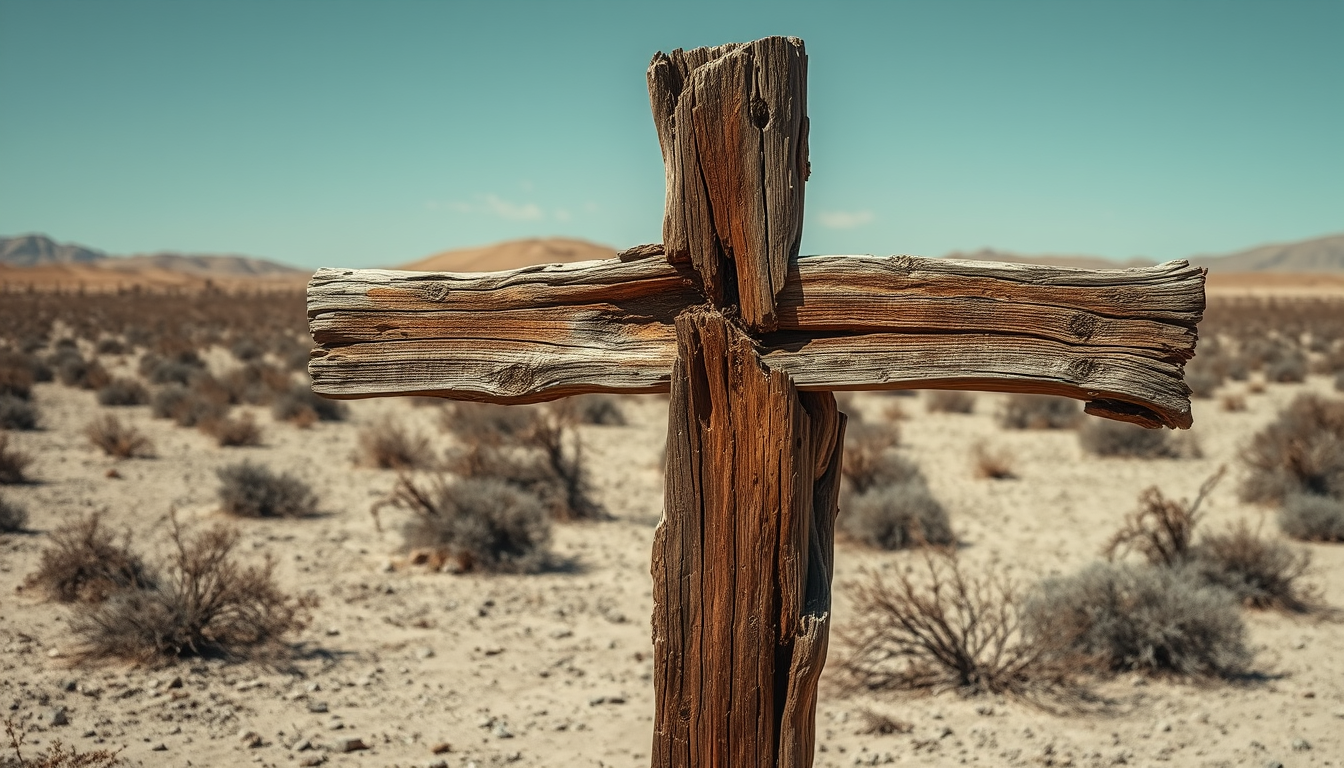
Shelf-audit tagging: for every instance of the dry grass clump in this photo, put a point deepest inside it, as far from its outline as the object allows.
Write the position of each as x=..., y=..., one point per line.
x=186, y=407
x=1299, y=453
x=1312, y=518
x=1104, y=437
x=73, y=370
x=537, y=450
x=16, y=375
x=302, y=407
x=13, y=462
x=948, y=401
x=255, y=383
x=871, y=459
x=387, y=445
x=252, y=490
x=1039, y=412
x=205, y=604
x=1118, y=617
x=1260, y=573
x=992, y=464
x=17, y=413
x=12, y=516
x=84, y=562
x=123, y=391
x=118, y=439
x=944, y=629
x=475, y=523
x=230, y=432
x=55, y=756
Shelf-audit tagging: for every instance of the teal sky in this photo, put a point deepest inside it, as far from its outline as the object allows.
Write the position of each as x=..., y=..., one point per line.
x=369, y=133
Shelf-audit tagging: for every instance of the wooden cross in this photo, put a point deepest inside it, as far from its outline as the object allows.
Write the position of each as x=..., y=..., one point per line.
x=751, y=339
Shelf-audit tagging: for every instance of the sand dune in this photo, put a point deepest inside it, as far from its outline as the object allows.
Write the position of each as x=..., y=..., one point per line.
x=512, y=254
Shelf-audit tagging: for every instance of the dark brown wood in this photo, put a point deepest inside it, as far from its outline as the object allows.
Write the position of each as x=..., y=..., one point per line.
x=1108, y=337
x=732, y=124
x=742, y=559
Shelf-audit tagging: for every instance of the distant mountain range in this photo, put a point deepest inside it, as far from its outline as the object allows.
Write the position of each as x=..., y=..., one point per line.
x=42, y=251
x=1318, y=255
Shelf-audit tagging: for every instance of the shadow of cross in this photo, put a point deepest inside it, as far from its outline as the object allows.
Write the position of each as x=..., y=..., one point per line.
x=751, y=339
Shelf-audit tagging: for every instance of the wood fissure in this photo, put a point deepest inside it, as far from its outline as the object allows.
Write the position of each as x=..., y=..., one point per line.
x=742, y=558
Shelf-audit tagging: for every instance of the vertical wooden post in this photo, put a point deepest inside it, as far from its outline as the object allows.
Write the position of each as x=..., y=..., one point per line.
x=742, y=559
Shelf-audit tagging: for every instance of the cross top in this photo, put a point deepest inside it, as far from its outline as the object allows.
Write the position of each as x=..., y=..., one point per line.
x=750, y=340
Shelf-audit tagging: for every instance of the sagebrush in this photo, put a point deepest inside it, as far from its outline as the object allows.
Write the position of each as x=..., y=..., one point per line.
x=252, y=490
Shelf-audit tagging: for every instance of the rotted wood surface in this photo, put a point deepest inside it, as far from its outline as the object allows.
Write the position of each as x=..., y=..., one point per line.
x=1118, y=338
x=742, y=559
x=732, y=125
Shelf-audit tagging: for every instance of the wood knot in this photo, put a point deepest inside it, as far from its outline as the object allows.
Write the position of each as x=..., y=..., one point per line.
x=436, y=291
x=1081, y=369
x=1083, y=325
x=516, y=379
x=760, y=112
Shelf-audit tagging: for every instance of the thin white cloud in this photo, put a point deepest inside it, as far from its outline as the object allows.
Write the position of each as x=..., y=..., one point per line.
x=493, y=205
x=845, y=219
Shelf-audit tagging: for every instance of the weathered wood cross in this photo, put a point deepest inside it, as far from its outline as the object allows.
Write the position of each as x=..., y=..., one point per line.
x=751, y=339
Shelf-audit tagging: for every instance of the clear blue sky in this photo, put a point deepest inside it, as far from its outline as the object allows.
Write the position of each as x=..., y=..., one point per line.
x=366, y=133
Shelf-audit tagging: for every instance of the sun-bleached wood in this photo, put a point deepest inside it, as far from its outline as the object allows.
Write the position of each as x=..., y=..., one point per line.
x=1116, y=337
x=732, y=125
x=742, y=559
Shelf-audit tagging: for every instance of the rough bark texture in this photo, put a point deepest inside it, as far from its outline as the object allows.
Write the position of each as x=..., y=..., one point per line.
x=742, y=559
x=1116, y=338
x=732, y=124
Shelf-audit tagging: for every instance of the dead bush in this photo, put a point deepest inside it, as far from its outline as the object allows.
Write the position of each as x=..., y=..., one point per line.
x=55, y=756
x=1300, y=452
x=16, y=413
x=1291, y=368
x=117, y=439
x=1312, y=518
x=992, y=464
x=1161, y=530
x=1203, y=382
x=12, y=516
x=896, y=517
x=123, y=391
x=230, y=432
x=72, y=370
x=1234, y=403
x=16, y=375
x=1117, y=617
x=206, y=604
x=1259, y=572
x=300, y=405
x=186, y=407
x=948, y=401
x=84, y=562
x=13, y=462
x=255, y=383
x=387, y=445
x=1103, y=437
x=110, y=346
x=480, y=523
x=488, y=424
x=870, y=458
x=943, y=629
x=252, y=490
x=1039, y=412
x=179, y=368
x=601, y=410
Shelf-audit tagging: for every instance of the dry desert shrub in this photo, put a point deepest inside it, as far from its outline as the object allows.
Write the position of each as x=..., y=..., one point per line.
x=13, y=462
x=896, y=517
x=16, y=375
x=601, y=410
x=252, y=490
x=179, y=368
x=255, y=383
x=118, y=439
x=206, y=604
x=1339, y=382
x=55, y=756
x=990, y=463
x=85, y=562
x=488, y=424
x=1039, y=412
x=230, y=432
x=72, y=370
x=1300, y=453
x=12, y=516
x=301, y=406
x=16, y=413
x=1260, y=573
x=1203, y=381
x=1104, y=437
x=474, y=523
x=944, y=629
x=1162, y=530
x=1117, y=617
x=110, y=346
x=1312, y=518
x=387, y=445
x=870, y=458
x=186, y=407
x=948, y=401
x=123, y=391
x=1288, y=368
x=1234, y=403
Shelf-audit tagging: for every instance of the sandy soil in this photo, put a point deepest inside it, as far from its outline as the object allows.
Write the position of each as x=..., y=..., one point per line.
x=555, y=669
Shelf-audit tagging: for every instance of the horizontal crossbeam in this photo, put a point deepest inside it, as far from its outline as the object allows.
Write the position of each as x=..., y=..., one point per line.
x=1118, y=339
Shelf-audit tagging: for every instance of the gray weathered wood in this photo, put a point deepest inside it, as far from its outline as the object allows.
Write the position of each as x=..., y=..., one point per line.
x=846, y=322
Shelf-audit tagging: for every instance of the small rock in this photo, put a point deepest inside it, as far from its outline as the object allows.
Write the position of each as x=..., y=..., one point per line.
x=69, y=685
x=984, y=709
x=424, y=652
x=250, y=739
x=335, y=724
x=333, y=631
x=1301, y=745
x=54, y=653
x=89, y=734
x=176, y=682
x=302, y=745
x=58, y=716
x=160, y=747
x=1273, y=764
x=317, y=707
x=441, y=748
x=493, y=650
x=348, y=745
x=1162, y=727
x=112, y=474
x=312, y=760
x=437, y=764
x=502, y=731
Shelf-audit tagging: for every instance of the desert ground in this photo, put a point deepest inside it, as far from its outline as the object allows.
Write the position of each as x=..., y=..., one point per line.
x=407, y=666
